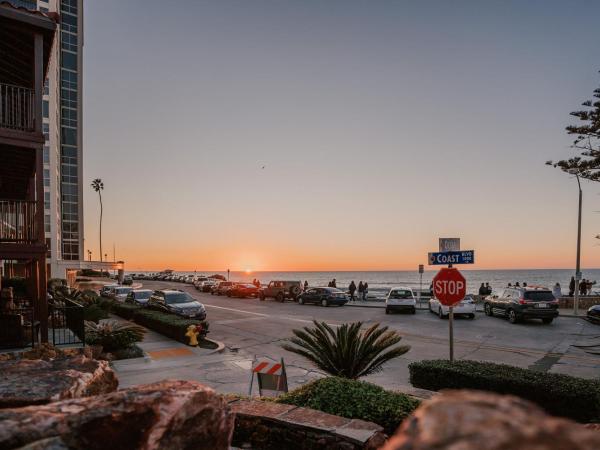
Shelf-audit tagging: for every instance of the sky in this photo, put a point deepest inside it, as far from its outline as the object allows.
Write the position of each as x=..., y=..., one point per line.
x=336, y=135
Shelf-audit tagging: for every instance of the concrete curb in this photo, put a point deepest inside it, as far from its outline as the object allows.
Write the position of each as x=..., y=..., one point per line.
x=220, y=346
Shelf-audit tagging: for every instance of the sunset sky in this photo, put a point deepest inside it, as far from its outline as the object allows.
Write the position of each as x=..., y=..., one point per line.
x=381, y=126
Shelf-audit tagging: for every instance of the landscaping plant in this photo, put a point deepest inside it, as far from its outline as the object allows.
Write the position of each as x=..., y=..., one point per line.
x=355, y=400
x=113, y=335
x=347, y=351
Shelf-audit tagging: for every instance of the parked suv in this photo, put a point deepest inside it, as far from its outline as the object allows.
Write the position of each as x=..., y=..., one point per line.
x=281, y=290
x=177, y=302
x=532, y=302
x=400, y=299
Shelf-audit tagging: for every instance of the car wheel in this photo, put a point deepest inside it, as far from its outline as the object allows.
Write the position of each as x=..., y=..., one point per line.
x=324, y=302
x=280, y=297
x=488, y=310
x=261, y=297
x=471, y=316
x=300, y=301
x=387, y=310
x=414, y=311
x=441, y=314
x=548, y=320
x=512, y=316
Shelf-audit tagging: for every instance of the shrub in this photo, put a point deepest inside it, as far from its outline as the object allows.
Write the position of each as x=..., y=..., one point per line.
x=354, y=400
x=126, y=353
x=113, y=335
x=167, y=324
x=124, y=310
x=94, y=313
x=561, y=395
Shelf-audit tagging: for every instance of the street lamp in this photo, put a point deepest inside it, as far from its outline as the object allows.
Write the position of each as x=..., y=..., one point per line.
x=577, y=264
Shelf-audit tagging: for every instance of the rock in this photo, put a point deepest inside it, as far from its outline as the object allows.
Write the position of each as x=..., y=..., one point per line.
x=34, y=382
x=472, y=420
x=163, y=415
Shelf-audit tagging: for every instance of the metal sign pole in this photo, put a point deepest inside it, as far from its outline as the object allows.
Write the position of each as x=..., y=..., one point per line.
x=420, y=287
x=451, y=331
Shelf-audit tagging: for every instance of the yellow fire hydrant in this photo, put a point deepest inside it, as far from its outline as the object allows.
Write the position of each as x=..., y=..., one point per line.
x=192, y=333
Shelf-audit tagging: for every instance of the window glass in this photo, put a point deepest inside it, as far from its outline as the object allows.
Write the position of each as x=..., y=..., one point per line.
x=69, y=60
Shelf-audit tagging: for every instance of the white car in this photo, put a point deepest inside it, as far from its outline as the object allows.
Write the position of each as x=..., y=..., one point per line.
x=119, y=293
x=400, y=299
x=466, y=307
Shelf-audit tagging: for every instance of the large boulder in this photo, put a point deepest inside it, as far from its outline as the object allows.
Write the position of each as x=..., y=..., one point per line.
x=472, y=420
x=35, y=382
x=163, y=415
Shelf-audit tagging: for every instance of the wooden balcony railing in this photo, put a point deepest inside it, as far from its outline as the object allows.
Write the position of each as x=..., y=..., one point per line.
x=18, y=221
x=17, y=111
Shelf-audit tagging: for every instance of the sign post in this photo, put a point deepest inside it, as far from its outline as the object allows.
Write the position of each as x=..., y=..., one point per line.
x=450, y=287
x=421, y=270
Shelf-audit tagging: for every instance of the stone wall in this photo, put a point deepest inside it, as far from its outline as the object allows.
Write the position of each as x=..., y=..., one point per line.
x=267, y=425
x=584, y=302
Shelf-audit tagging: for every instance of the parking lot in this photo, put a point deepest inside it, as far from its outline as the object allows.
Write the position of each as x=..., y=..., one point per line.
x=249, y=327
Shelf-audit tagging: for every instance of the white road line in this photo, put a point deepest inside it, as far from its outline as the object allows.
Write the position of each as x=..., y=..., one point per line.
x=236, y=310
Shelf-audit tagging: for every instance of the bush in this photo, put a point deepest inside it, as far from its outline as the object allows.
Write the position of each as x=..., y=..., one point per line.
x=126, y=353
x=94, y=313
x=113, y=335
x=124, y=310
x=561, y=395
x=354, y=400
x=168, y=325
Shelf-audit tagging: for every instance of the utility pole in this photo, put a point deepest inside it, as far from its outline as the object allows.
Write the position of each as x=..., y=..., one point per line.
x=578, y=263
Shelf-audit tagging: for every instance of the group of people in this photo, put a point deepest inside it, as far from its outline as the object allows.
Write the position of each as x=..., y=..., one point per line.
x=585, y=287
x=256, y=283
x=363, y=289
x=485, y=289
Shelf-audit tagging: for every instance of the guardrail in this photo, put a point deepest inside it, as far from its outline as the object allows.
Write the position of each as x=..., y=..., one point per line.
x=17, y=107
x=18, y=221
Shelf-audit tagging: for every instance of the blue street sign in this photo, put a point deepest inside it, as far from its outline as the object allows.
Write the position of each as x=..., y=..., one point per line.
x=443, y=258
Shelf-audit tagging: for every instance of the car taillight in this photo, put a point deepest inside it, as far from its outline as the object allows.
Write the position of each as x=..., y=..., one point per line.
x=522, y=301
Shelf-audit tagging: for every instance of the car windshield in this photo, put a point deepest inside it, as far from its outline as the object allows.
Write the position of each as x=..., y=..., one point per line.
x=180, y=297
x=142, y=295
x=400, y=293
x=123, y=290
x=539, y=296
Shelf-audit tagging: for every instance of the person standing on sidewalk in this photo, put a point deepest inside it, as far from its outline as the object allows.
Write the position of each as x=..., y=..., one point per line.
x=352, y=290
x=361, y=289
x=556, y=291
x=572, y=287
x=365, y=291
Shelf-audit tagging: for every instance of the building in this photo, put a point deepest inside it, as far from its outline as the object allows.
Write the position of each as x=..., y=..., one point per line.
x=26, y=41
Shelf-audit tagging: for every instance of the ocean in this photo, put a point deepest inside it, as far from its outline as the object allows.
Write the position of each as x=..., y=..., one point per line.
x=381, y=281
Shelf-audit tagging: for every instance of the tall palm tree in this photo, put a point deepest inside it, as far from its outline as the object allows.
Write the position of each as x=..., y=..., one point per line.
x=348, y=351
x=98, y=186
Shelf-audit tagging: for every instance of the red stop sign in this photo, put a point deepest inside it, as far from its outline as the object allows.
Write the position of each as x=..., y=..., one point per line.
x=449, y=286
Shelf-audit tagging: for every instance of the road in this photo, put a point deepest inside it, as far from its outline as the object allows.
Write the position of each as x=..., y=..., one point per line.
x=249, y=327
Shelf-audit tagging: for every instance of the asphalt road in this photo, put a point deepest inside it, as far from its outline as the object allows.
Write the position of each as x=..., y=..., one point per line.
x=249, y=327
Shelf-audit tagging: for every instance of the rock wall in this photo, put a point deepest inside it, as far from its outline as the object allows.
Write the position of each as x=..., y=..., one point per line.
x=267, y=425
x=164, y=415
x=472, y=420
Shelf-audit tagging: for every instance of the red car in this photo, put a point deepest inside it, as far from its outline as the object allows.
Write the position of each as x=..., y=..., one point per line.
x=243, y=291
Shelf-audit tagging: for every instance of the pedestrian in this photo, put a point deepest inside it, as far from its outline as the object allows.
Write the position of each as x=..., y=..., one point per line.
x=572, y=287
x=329, y=284
x=488, y=289
x=517, y=284
x=509, y=284
x=365, y=290
x=361, y=288
x=352, y=289
x=524, y=284
x=482, y=290
x=583, y=287
x=556, y=291
x=333, y=283
x=305, y=285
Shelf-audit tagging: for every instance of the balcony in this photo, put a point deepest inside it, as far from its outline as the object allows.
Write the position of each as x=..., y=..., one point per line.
x=17, y=111
x=18, y=222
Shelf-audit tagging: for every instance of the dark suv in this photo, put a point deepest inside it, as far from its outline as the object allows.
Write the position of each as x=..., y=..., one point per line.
x=517, y=304
x=281, y=290
x=177, y=302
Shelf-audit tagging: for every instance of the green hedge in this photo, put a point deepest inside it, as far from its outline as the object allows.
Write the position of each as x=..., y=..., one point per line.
x=561, y=395
x=353, y=399
x=124, y=310
x=169, y=325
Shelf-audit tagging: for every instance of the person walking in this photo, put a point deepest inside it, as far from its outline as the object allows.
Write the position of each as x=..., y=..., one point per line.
x=488, y=289
x=361, y=288
x=583, y=287
x=365, y=291
x=482, y=290
x=352, y=289
x=305, y=285
x=333, y=283
x=556, y=291
x=572, y=287
x=517, y=284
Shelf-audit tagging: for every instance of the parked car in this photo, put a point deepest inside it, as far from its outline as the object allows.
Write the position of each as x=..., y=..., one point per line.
x=207, y=286
x=189, y=279
x=400, y=299
x=104, y=291
x=243, y=290
x=222, y=288
x=281, y=290
x=119, y=293
x=466, y=307
x=177, y=302
x=198, y=282
x=593, y=314
x=532, y=302
x=127, y=280
x=323, y=296
x=139, y=297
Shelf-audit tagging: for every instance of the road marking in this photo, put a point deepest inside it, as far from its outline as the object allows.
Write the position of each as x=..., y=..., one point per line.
x=237, y=310
x=170, y=353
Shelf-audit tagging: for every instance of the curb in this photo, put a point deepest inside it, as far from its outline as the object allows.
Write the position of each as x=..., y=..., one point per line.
x=220, y=346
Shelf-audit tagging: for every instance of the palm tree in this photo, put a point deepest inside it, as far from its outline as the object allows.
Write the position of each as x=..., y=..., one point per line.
x=348, y=351
x=98, y=186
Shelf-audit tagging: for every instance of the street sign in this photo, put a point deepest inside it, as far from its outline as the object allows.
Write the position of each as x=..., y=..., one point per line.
x=449, y=244
x=460, y=257
x=421, y=268
x=449, y=286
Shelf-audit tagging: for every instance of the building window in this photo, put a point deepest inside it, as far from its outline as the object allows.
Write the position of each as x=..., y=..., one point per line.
x=69, y=60
x=46, y=108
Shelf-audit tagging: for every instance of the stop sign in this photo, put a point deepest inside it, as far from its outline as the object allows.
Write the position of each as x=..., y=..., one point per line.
x=449, y=286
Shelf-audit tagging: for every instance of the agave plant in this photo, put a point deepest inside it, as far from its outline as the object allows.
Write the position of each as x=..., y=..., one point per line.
x=113, y=335
x=348, y=351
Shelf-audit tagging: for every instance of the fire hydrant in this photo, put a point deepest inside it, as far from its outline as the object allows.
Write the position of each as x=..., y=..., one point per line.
x=192, y=333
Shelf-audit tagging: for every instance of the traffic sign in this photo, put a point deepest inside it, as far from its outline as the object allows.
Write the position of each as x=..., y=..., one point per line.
x=449, y=286
x=443, y=258
x=449, y=244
